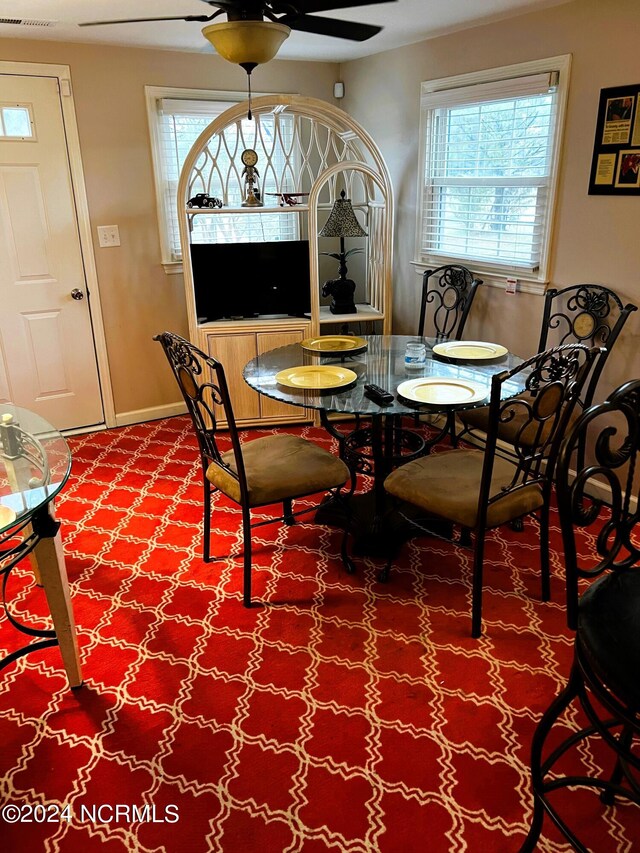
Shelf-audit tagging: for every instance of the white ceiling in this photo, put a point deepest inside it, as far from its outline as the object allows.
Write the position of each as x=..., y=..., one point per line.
x=404, y=22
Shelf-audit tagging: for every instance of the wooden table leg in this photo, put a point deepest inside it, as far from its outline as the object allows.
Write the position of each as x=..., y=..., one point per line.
x=53, y=573
x=33, y=560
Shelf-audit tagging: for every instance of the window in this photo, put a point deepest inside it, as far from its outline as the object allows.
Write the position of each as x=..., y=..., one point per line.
x=176, y=118
x=16, y=121
x=489, y=152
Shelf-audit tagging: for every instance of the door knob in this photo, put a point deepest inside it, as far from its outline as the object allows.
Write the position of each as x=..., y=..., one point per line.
x=77, y=294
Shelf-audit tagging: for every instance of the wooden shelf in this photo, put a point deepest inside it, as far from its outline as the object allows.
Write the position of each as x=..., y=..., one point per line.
x=253, y=323
x=364, y=314
x=217, y=211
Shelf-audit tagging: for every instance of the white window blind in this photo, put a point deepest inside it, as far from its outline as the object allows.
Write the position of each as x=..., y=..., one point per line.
x=179, y=122
x=488, y=171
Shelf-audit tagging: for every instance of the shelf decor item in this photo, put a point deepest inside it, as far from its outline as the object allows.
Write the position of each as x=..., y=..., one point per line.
x=204, y=200
x=341, y=223
x=250, y=175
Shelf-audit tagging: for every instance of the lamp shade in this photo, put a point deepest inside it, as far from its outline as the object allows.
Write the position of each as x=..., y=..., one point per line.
x=246, y=42
x=342, y=220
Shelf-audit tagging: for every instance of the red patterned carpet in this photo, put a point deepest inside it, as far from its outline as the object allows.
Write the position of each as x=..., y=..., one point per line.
x=340, y=715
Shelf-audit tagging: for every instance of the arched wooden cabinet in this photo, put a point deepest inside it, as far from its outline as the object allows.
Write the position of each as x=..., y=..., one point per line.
x=304, y=145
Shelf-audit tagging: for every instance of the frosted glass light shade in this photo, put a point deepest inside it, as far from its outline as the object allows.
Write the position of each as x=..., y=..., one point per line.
x=246, y=42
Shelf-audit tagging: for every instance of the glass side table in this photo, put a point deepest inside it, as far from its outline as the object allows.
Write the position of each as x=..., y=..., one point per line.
x=35, y=462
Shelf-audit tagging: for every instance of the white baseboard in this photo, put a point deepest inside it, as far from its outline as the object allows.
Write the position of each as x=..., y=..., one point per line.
x=151, y=414
x=84, y=430
x=602, y=492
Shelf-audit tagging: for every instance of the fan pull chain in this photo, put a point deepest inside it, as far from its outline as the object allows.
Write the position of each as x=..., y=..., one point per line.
x=248, y=67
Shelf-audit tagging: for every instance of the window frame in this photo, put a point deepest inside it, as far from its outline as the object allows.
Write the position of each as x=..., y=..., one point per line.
x=497, y=274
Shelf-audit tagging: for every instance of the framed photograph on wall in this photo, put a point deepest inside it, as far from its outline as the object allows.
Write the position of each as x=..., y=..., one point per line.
x=615, y=167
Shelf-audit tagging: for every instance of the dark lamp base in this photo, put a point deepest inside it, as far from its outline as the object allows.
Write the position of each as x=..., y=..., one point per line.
x=342, y=290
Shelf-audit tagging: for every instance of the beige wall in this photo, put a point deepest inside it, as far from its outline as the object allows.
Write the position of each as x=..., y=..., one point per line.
x=138, y=298
x=596, y=238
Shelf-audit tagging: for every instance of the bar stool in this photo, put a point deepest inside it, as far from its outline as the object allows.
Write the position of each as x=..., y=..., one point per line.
x=605, y=676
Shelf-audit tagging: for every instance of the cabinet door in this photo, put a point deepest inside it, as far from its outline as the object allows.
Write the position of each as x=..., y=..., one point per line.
x=234, y=351
x=272, y=408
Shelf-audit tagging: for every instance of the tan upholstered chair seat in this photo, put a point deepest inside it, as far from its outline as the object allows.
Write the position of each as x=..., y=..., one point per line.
x=509, y=431
x=279, y=467
x=448, y=485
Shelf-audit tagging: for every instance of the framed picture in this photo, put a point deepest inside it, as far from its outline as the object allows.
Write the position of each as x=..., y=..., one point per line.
x=615, y=167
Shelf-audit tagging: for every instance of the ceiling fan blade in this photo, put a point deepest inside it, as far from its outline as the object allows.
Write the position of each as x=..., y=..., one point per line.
x=144, y=20
x=306, y=6
x=253, y=8
x=330, y=27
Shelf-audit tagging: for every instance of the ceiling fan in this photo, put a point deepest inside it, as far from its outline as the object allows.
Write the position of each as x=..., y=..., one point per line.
x=247, y=39
x=294, y=15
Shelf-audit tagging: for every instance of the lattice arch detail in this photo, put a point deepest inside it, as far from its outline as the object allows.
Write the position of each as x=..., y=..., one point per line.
x=305, y=145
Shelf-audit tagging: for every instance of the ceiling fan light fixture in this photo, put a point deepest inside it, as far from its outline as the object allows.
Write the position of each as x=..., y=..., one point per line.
x=246, y=42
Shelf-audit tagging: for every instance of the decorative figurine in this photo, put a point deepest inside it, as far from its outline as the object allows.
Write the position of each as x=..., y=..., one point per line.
x=250, y=175
x=204, y=200
x=289, y=198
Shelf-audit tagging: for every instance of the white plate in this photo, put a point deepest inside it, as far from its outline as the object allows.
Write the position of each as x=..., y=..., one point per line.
x=470, y=350
x=316, y=378
x=442, y=391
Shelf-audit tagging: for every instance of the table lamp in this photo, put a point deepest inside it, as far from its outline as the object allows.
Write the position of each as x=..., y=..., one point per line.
x=341, y=223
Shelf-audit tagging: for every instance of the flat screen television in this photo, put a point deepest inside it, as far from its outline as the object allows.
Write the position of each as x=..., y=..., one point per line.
x=238, y=280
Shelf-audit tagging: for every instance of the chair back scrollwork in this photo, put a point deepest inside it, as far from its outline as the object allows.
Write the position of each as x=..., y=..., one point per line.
x=203, y=385
x=588, y=314
x=603, y=492
x=554, y=380
x=450, y=291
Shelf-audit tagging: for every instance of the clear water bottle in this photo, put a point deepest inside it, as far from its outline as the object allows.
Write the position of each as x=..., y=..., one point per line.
x=415, y=356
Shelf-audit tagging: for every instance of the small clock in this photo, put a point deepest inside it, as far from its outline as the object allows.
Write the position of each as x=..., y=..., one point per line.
x=250, y=175
x=249, y=157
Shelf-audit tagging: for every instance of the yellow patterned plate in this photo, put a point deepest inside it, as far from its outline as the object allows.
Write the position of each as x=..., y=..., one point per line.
x=334, y=344
x=316, y=377
x=470, y=350
x=442, y=391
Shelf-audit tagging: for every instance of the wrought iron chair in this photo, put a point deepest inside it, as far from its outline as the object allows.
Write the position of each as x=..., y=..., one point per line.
x=604, y=679
x=267, y=470
x=589, y=314
x=479, y=490
x=450, y=290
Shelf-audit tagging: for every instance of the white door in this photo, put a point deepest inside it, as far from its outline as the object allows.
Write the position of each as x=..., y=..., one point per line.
x=47, y=350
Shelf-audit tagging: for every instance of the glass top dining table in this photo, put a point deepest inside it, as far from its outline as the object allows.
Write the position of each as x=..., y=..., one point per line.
x=382, y=363
x=377, y=448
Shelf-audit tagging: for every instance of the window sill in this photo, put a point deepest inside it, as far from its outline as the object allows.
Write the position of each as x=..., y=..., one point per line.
x=491, y=278
x=172, y=267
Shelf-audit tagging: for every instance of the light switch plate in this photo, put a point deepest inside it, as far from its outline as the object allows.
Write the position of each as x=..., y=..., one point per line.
x=108, y=235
